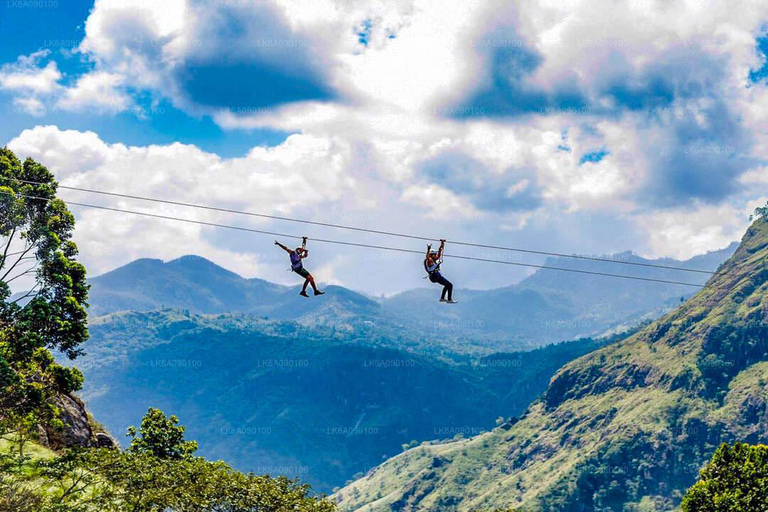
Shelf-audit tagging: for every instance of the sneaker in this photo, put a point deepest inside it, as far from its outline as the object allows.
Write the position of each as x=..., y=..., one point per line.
x=303, y=293
x=443, y=300
x=318, y=292
x=451, y=301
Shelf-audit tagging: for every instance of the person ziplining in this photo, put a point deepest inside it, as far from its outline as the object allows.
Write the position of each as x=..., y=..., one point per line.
x=297, y=266
x=432, y=265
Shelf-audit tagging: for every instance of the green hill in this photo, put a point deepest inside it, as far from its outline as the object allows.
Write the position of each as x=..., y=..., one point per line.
x=626, y=427
x=319, y=403
x=194, y=283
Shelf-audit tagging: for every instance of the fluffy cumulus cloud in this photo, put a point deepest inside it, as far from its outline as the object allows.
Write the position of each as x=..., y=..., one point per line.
x=302, y=173
x=206, y=56
x=101, y=91
x=36, y=83
x=684, y=233
x=28, y=80
x=675, y=74
x=648, y=117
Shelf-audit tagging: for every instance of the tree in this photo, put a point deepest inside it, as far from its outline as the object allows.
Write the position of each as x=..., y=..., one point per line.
x=760, y=212
x=160, y=436
x=159, y=472
x=735, y=480
x=35, y=244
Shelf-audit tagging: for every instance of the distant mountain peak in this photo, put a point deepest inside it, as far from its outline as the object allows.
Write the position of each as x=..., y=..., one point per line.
x=192, y=258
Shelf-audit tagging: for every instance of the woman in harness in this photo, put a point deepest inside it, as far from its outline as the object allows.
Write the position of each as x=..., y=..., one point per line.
x=297, y=266
x=432, y=266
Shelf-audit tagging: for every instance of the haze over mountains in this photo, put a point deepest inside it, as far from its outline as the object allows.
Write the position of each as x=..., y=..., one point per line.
x=323, y=389
x=626, y=427
x=546, y=307
x=317, y=403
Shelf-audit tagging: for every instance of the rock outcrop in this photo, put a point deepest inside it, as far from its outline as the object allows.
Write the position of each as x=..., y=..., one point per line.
x=77, y=430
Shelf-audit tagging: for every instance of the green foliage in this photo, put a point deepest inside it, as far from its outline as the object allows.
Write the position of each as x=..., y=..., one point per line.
x=159, y=471
x=626, y=427
x=760, y=212
x=407, y=446
x=42, y=226
x=735, y=480
x=327, y=380
x=35, y=242
x=161, y=437
x=17, y=497
x=96, y=480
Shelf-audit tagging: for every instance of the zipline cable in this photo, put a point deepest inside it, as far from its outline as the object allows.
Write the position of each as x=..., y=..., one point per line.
x=372, y=231
x=352, y=244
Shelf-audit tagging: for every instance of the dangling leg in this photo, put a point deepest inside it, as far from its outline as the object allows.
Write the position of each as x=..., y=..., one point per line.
x=449, y=288
x=438, y=278
x=311, y=281
x=306, y=275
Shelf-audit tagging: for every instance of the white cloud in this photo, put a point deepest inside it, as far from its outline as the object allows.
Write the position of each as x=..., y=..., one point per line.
x=757, y=177
x=37, y=88
x=97, y=90
x=627, y=39
x=30, y=83
x=438, y=202
x=685, y=233
x=31, y=106
x=302, y=173
x=396, y=106
x=26, y=77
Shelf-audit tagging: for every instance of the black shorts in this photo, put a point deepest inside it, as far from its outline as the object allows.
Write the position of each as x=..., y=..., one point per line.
x=302, y=272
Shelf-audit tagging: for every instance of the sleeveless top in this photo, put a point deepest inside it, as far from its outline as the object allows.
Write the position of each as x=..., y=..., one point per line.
x=295, y=261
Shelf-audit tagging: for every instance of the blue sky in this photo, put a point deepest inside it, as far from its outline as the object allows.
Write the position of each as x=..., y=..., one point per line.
x=537, y=126
x=59, y=29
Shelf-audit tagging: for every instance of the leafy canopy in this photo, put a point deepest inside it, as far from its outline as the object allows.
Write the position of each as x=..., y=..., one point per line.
x=735, y=480
x=36, y=249
x=760, y=212
x=102, y=479
x=161, y=436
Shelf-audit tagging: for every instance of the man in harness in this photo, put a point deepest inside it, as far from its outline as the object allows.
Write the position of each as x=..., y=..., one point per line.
x=432, y=266
x=297, y=266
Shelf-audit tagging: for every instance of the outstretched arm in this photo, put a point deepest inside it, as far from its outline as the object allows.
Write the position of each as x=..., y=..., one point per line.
x=283, y=247
x=429, y=250
x=440, y=252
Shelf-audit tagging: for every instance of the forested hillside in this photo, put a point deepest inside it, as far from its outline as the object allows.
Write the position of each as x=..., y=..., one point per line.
x=319, y=403
x=626, y=427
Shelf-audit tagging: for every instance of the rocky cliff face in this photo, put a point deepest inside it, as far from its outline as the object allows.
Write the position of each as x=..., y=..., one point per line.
x=78, y=429
x=626, y=427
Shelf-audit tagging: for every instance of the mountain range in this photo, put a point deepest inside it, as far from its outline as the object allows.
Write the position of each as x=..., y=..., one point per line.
x=626, y=427
x=324, y=389
x=549, y=306
x=310, y=402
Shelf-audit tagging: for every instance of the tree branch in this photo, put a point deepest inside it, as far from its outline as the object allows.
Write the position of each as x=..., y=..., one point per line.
x=7, y=246
x=30, y=293
x=21, y=257
x=30, y=270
